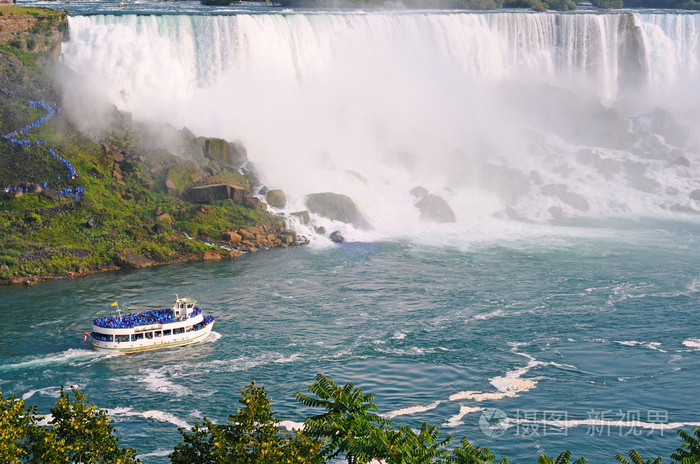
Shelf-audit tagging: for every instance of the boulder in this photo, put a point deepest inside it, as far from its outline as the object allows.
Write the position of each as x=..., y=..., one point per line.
x=165, y=217
x=232, y=237
x=207, y=194
x=131, y=260
x=338, y=208
x=320, y=230
x=92, y=223
x=434, y=208
x=276, y=198
x=419, y=192
x=302, y=216
x=211, y=255
x=695, y=195
x=254, y=203
x=226, y=153
x=666, y=125
x=337, y=237
x=157, y=229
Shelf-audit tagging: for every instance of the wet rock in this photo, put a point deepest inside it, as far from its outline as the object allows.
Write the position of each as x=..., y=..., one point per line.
x=232, y=237
x=434, y=208
x=207, y=194
x=337, y=207
x=419, y=192
x=210, y=254
x=132, y=260
x=337, y=237
x=302, y=216
x=226, y=153
x=276, y=198
x=556, y=212
x=320, y=230
x=254, y=203
x=695, y=195
x=665, y=124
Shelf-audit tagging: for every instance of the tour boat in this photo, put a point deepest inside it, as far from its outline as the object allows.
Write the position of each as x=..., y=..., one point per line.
x=183, y=324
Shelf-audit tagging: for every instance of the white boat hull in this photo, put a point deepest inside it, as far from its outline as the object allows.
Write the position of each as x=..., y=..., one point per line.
x=181, y=339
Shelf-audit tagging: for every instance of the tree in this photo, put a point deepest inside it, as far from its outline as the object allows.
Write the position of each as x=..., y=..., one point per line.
x=467, y=454
x=347, y=424
x=637, y=459
x=77, y=432
x=563, y=458
x=15, y=420
x=688, y=452
x=253, y=436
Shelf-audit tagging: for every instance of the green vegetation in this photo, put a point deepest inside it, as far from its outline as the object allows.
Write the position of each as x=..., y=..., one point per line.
x=128, y=205
x=348, y=427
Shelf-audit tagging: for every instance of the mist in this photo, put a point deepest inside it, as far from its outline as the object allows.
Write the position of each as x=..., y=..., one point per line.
x=507, y=116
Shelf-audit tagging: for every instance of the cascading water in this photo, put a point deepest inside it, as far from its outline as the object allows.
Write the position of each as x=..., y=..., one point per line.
x=504, y=115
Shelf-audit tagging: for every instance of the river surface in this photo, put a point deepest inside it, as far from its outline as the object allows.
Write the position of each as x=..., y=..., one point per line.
x=493, y=340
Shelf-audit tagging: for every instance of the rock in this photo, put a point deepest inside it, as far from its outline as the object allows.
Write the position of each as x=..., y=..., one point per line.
x=276, y=198
x=337, y=237
x=52, y=194
x=682, y=208
x=165, y=217
x=263, y=190
x=572, y=199
x=132, y=260
x=207, y=194
x=157, y=229
x=246, y=234
x=338, y=208
x=221, y=151
x=556, y=212
x=170, y=187
x=211, y=255
x=682, y=161
x=320, y=230
x=435, y=208
x=665, y=124
x=302, y=216
x=419, y=192
x=254, y=203
x=232, y=237
x=695, y=195
x=92, y=223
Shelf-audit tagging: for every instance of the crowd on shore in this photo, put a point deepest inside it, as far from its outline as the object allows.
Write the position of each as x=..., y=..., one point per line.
x=15, y=138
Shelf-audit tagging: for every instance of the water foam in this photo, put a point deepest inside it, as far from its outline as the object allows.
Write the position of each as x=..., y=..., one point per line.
x=154, y=414
x=692, y=343
x=412, y=410
x=456, y=420
x=73, y=356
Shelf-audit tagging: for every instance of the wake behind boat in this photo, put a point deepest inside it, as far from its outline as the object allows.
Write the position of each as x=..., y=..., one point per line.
x=183, y=324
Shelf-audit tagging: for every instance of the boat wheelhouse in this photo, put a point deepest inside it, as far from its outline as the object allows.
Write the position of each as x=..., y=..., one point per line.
x=183, y=324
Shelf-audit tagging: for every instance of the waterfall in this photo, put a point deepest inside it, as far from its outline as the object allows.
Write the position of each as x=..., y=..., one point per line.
x=504, y=114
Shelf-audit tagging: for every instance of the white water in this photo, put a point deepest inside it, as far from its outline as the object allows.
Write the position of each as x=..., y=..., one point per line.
x=488, y=111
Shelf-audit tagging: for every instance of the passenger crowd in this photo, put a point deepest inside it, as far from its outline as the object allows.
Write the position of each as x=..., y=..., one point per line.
x=158, y=316
x=14, y=139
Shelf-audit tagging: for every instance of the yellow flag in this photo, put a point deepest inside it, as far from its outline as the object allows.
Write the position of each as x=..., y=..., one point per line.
x=114, y=304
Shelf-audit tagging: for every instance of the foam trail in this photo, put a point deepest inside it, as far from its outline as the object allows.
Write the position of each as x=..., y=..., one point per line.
x=70, y=356
x=692, y=343
x=412, y=410
x=456, y=420
x=160, y=416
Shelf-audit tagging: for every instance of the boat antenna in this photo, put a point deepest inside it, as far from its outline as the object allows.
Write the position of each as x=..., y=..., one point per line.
x=119, y=311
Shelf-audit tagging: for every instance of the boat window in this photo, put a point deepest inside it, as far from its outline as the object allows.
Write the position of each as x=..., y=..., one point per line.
x=101, y=337
x=166, y=333
x=136, y=337
x=158, y=333
x=122, y=338
x=178, y=330
x=149, y=335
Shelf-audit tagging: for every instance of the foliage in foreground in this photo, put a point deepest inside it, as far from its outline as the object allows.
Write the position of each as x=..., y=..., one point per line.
x=348, y=426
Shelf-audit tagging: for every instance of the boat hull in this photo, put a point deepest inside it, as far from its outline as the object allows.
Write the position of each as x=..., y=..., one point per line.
x=186, y=338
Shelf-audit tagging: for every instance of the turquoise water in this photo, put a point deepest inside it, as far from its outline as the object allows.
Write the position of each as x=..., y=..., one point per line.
x=593, y=326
